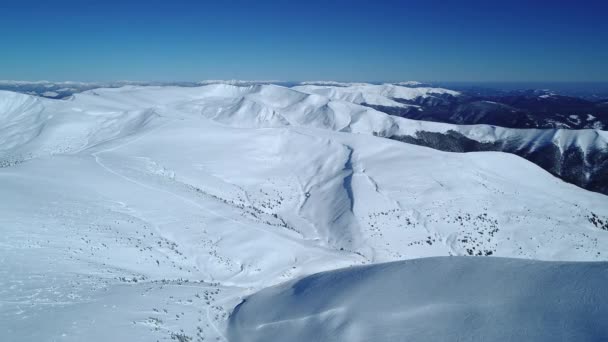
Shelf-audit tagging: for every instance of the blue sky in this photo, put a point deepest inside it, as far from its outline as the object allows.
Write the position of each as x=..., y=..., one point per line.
x=304, y=40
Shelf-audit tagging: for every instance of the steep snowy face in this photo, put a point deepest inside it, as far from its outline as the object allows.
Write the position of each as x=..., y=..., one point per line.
x=20, y=119
x=436, y=299
x=13, y=104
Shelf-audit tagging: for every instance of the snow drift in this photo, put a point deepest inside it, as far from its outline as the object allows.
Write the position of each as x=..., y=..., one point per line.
x=434, y=299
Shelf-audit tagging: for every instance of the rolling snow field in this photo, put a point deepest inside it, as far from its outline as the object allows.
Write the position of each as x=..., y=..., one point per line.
x=150, y=213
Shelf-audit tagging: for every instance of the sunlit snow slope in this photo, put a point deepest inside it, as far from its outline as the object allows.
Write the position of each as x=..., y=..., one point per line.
x=433, y=299
x=146, y=213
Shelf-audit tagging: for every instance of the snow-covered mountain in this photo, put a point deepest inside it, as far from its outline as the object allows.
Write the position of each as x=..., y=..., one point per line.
x=528, y=108
x=577, y=156
x=522, y=108
x=147, y=213
x=387, y=95
x=434, y=299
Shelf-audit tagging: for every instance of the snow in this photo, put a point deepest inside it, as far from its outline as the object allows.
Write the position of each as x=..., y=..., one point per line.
x=331, y=83
x=44, y=83
x=382, y=95
x=50, y=94
x=135, y=213
x=238, y=82
x=436, y=299
x=409, y=84
x=385, y=95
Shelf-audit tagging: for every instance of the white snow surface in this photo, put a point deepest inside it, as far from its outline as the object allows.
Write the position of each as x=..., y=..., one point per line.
x=146, y=213
x=331, y=83
x=409, y=83
x=433, y=299
x=382, y=94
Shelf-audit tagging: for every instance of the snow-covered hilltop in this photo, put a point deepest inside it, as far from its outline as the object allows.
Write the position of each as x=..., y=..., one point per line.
x=375, y=94
x=148, y=213
x=577, y=156
x=435, y=299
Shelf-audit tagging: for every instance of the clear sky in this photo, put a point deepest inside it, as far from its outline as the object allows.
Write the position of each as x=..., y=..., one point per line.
x=426, y=40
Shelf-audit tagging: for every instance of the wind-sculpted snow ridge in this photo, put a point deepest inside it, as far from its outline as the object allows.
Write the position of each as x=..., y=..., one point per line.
x=435, y=299
x=20, y=118
x=146, y=213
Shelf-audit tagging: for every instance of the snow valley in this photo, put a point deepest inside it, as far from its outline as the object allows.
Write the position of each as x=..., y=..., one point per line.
x=145, y=213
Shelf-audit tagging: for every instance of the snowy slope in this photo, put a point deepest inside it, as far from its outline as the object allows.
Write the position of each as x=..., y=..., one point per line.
x=373, y=94
x=385, y=95
x=435, y=299
x=157, y=208
x=577, y=156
